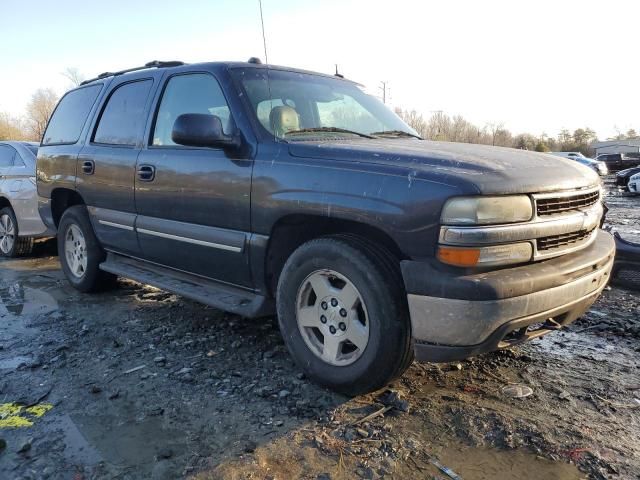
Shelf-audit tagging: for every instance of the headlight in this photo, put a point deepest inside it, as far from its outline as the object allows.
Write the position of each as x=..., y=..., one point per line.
x=487, y=210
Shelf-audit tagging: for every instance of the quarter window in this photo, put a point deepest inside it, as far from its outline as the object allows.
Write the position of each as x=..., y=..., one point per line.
x=70, y=115
x=192, y=93
x=123, y=118
x=7, y=155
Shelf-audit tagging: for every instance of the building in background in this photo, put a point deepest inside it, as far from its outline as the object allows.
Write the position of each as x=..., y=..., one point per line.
x=616, y=146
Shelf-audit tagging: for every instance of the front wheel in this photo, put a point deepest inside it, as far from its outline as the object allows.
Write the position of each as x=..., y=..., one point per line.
x=80, y=253
x=343, y=315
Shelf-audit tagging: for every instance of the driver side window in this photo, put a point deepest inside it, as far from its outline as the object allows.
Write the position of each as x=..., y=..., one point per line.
x=190, y=93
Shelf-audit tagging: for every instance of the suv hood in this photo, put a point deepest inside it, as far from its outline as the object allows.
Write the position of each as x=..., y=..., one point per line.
x=487, y=169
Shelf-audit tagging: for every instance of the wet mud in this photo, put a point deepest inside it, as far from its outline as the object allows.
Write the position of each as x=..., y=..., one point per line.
x=139, y=383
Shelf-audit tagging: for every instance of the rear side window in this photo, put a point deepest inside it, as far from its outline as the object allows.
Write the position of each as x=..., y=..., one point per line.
x=7, y=155
x=123, y=117
x=70, y=116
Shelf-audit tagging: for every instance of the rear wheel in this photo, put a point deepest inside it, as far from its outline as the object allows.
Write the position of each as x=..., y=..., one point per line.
x=80, y=253
x=343, y=314
x=11, y=245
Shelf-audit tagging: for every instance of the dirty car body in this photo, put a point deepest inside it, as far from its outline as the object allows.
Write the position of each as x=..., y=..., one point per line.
x=623, y=177
x=626, y=270
x=20, y=221
x=475, y=247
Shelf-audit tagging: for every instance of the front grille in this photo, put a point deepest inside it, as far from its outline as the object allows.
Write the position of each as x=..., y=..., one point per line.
x=565, y=203
x=556, y=241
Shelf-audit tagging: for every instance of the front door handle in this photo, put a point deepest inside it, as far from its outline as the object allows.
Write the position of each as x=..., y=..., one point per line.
x=146, y=173
x=88, y=167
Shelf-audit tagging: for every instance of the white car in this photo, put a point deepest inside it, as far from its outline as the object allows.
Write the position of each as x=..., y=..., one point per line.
x=572, y=155
x=634, y=183
x=20, y=221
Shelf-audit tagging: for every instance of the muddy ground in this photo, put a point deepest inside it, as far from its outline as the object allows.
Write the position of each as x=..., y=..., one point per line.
x=138, y=383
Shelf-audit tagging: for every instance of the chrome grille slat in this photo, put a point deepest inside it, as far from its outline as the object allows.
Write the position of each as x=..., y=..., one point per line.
x=552, y=205
x=557, y=241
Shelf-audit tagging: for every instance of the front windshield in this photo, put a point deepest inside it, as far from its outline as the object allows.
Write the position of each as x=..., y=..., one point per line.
x=294, y=106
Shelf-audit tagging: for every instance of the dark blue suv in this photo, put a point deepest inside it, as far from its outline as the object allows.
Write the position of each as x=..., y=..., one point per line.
x=263, y=190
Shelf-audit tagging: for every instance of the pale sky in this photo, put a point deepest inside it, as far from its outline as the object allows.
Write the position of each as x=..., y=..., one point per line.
x=534, y=65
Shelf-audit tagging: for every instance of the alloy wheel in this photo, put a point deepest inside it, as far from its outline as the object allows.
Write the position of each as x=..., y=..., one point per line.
x=332, y=317
x=7, y=234
x=75, y=250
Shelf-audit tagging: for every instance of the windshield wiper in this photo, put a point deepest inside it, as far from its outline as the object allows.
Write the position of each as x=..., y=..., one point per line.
x=327, y=129
x=397, y=133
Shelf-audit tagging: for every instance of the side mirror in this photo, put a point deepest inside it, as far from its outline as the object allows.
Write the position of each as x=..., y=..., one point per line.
x=201, y=130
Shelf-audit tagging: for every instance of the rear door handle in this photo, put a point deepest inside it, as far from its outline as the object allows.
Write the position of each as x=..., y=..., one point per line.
x=146, y=173
x=88, y=167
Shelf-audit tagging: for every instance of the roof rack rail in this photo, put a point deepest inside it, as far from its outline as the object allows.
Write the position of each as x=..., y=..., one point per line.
x=152, y=64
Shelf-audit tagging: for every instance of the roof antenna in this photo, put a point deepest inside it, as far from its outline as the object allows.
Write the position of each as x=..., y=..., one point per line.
x=264, y=38
x=338, y=74
x=266, y=61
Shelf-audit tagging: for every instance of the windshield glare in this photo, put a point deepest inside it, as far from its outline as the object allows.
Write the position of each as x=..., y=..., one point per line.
x=300, y=101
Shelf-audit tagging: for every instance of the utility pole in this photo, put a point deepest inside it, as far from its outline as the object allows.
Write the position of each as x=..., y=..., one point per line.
x=384, y=86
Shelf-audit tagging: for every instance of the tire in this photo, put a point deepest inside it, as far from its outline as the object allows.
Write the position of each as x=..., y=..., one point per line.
x=80, y=252
x=11, y=244
x=365, y=271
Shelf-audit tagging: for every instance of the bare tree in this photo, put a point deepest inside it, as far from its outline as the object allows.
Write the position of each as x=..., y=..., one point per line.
x=11, y=128
x=632, y=134
x=499, y=135
x=74, y=76
x=414, y=119
x=39, y=109
x=442, y=127
x=439, y=126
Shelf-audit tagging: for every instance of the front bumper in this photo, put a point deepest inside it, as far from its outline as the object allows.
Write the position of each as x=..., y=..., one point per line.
x=455, y=315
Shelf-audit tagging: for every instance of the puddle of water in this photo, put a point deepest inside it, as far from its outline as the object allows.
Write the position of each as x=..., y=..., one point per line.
x=16, y=299
x=124, y=442
x=19, y=304
x=569, y=345
x=491, y=464
x=13, y=362
x=77, y=449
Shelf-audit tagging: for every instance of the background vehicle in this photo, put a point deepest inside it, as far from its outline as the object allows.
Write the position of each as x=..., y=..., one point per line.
x=619, y=161
x=623, y=176
x=599, y=167
x=20, y=222
x=626, y=270
x=634, y=183
x=571, y=155
x=262, y=189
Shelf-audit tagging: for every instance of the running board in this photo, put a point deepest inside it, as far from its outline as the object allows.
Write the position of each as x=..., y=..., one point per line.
x=209, y=292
